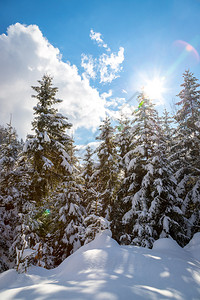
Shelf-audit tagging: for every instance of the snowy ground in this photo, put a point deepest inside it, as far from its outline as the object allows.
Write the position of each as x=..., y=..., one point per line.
x=103, y=270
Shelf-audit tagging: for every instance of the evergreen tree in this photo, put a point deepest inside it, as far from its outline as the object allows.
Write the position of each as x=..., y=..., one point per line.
x=47, y=154
x=168, y=132
x=48, y=148
x=69, y=232
x=136, y=201
x=187, y=151
x=123, y=142
x=123, y=138
x=3, y=134
x=62, y=216
x=8, y=193
x=87, y=175
x=107, y=172
x=153, y=210
x=27, y=224
x=93, y=221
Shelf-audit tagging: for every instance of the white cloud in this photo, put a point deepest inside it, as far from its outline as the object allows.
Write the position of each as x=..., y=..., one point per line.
x=124, y=91
x=92, y=145
x=107, y=66
x=110, y=65
x=25, y=56
x=106, y=95
x=115, y=102
x=96, y=36
x=88, y=63
x=124, y=110
x=112, y=102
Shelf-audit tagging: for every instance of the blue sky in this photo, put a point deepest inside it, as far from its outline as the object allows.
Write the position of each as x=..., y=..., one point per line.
x=145, y=40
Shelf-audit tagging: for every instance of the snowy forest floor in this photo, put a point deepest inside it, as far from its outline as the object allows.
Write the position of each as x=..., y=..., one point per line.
x=103, y=270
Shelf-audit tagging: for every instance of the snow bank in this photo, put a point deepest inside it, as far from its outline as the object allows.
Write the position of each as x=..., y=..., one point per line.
x=193, y=248
x=103, y=270
x=8, y=277
x=170, y=247
x=89, y=257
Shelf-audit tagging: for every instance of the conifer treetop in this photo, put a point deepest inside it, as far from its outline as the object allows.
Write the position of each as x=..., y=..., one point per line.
x=189, y=103
x=47, y=117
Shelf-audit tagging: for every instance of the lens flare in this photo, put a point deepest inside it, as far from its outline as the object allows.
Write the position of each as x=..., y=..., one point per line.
x=188, y=48
x=140, y=105
x=46, y=212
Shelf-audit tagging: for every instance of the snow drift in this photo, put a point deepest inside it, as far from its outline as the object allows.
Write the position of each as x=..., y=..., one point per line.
x=103, y=270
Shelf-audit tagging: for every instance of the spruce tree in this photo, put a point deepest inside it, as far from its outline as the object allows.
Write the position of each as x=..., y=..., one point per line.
x=187, y=151
x=47, y=155
x=136, y=200
x=48, y=148
x=168, y=131
x=123, y=142
x=87, y=175
x=3, y=134
x=27, y=224
x=107, y=172
x=93, y=221
x=153, y=210
x=69, y=215
x=9, y=150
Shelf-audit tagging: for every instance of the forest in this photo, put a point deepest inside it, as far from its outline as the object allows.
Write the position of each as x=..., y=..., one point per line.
x=142, y=182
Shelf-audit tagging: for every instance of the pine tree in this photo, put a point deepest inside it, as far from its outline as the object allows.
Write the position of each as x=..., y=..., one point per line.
x=165, y=213
x=107, y=172
x=27, y=224
x=9, y=150
x=187, y=151
x=3, y=134
x=93, y=221
x=47, y=156
x=123, y=138
x=168, y=131
x=153, y=210
x=69, y=217
x=87, y=175
x=136, y=201
x=62, y=214
x=48, y=148
x=123, y=142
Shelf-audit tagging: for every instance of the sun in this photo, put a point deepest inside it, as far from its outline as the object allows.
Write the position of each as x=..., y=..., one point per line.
x=154, y=88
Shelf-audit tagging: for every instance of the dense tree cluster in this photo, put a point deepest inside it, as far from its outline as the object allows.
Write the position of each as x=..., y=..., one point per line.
x=143, y=185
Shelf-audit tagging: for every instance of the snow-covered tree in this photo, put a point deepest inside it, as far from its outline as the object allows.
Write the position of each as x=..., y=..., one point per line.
x=26, y=226
x=153, y=210
x=48, y=148
x=93, y=221
x=69, y=233
x=9, y=150
x=168, y=131
x=123, y=141
x=186, y=151
x=47, y=155
x=188, y=114
x=3, y=134
x=123, y=138
x=107, y=172
x=87, y=175
x=135, y=200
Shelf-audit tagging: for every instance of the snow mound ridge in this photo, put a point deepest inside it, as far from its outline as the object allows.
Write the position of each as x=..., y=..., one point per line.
x=170, y=246
x=193, y=247
x=90, y=256
x=195, y=241
x=166, y=244
x=103, y=239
